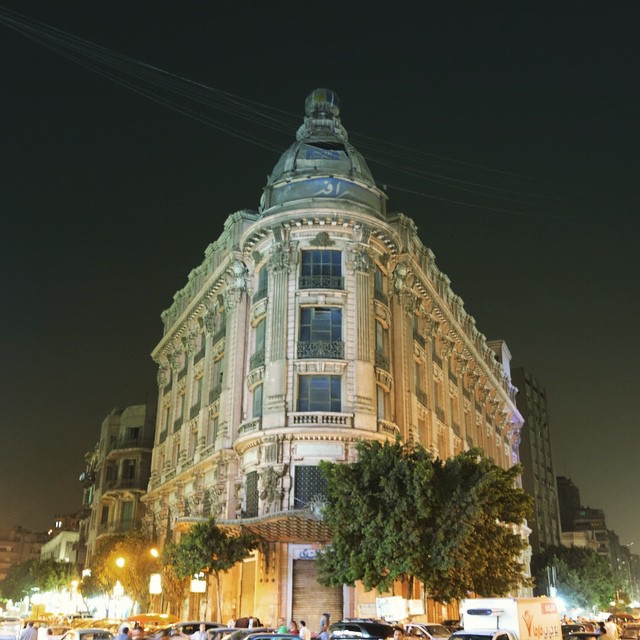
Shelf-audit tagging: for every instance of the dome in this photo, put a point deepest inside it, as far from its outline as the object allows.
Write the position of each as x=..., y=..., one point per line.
x=321, y=163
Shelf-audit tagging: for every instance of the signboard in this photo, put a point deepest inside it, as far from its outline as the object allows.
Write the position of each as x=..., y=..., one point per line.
x=393, y=608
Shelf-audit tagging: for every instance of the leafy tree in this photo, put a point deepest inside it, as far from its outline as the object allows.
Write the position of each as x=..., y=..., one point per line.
x=52, y=575
x=134, y=547
x=18, y=582
x=209, y=549
x=399, y=514
x=582, y=576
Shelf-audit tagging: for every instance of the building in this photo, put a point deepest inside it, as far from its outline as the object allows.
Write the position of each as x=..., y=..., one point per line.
x=116, y=476
x=568, y=502
x=17, y=545
x=61, y=547
x=312, y=323
x=538, y=476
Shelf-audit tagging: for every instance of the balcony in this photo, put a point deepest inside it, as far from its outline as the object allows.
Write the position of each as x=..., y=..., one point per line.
x=330, y=349
x=321, y=282
x=250, y=426
x=390, y=428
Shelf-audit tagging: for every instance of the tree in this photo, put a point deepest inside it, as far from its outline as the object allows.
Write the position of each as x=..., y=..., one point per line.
x=134, y=550
x=582, y=576
x=18, y=582
x=52, y=575
x=209, y=549
x=399, y=514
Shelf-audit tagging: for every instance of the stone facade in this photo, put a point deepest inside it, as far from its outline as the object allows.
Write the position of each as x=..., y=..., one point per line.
x=316, y=322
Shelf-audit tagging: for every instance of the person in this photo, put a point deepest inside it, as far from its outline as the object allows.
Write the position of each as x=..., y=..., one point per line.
x=124, y=633
x=29, y=632
x=293, y=627
x=282, y=627
x=398, y=634
x=324, y=627
x=305, y=632
x=612, y=628
x=201, y=634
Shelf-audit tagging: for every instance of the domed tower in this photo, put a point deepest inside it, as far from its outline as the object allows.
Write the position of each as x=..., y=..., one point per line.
x=322, y=164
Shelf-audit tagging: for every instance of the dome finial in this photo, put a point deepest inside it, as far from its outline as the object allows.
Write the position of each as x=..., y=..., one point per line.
x=322, y=103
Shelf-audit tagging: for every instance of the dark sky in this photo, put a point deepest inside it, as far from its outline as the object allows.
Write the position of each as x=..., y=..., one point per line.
x=108, y=199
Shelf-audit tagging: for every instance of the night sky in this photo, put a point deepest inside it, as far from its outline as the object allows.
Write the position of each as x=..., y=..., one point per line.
x=508, y=131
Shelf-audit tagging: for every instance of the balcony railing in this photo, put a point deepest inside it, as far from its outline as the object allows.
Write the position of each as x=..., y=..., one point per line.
x=330, y=349
x=321, y=419
x=260, y=294
x=381, y=296
x=256, y=360
x=118, y=484
x=321, y=282
x=116, y=527
x=421, y=395
x=132, y=443
x=382, y=361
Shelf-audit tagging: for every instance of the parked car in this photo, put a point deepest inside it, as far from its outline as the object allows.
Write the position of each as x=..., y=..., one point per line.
x=237, y=634
x=631, y=630
x=89, y=633
x=185, y=628
x=52, y=632
x=365, y=628
x=452, y=625
x=427, y=630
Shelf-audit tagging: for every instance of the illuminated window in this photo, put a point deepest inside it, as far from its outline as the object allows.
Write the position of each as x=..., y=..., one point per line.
x=320, y=333
x=321, y=269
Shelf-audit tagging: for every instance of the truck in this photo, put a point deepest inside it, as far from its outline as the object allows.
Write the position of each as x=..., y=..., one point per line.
x=509, y=619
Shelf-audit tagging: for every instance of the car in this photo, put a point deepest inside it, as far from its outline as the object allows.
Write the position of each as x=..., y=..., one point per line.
x=365, y=628
x=52, y=632
x=568, y=628
x=453, y=624
x=233, y=633
x=185, y=628
x=427, y=630
x=90, y=633
x=264, y=635
x=631, y=630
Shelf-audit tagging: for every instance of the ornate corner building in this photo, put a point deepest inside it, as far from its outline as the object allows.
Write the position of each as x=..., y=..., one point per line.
x=315, y=322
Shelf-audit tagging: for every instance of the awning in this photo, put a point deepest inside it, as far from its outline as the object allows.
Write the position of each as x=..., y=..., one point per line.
x=284, y=526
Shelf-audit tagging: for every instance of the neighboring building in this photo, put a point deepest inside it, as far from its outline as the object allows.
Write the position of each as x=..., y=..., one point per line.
x=584, y=539
x=17, y=545
x=62, y=547
x=538, y=476
x=568, y=502
x=313, y=323
x=116, y=477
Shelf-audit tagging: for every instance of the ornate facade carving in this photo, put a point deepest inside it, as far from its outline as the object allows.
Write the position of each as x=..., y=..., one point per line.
x=279, y=259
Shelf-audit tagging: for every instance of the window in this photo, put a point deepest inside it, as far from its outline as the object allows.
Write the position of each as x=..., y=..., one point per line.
x=309, y=484
x=319, y=393
x=382, y=356
x=251, y=495
x=104, y=516
x=257, y=401
x=320, y=333
x=378, y=286
x=217, y=374
x=321, y=269
x=381, y=402
x=196, y=397
x=261, y=289
x=126, y=512
x=128, y=469
x=257, y=359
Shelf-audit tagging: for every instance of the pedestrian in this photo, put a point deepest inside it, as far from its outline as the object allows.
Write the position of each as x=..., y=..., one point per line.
x=305, y=632
x=282, y=627
x=612, y=628
x=201, y=634
x=29, y=632
x=398, y=634
x=124, y=633
x=293, y=627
